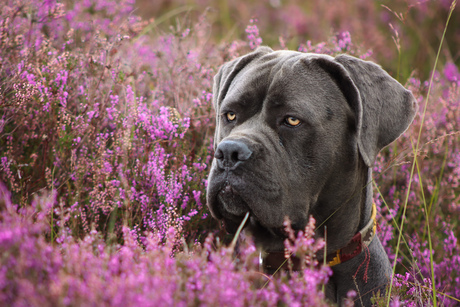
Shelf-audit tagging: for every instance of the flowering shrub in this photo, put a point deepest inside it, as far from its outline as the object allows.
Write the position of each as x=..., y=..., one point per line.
x=141, y=271
x=106, y=130
x=103, y=126
x=434, y=196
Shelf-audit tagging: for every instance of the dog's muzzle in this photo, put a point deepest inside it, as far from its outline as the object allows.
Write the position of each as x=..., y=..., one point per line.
x=230, y=155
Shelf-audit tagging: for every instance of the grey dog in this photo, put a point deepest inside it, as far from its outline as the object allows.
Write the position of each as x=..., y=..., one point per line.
x=297, y=135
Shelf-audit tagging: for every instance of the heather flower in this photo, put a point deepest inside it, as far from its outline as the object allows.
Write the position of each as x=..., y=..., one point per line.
x=303, y=243
x=451, y=72
x=253, y=34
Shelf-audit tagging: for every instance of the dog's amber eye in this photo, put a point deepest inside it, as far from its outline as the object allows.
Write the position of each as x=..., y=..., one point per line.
x=292, y=121
x=231, y=116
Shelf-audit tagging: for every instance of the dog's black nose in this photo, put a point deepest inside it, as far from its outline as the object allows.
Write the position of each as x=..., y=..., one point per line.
x=231, y=153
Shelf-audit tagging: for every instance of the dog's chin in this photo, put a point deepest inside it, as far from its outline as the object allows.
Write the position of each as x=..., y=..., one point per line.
x=231, y=226
x=231, y=207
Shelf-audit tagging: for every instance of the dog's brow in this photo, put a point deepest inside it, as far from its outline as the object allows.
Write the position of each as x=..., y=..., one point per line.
x=234, y=103
x=276, y=101
x=280, y=101
x=238, y=99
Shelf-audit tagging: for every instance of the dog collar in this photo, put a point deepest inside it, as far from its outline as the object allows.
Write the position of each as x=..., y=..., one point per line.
x=361, y=240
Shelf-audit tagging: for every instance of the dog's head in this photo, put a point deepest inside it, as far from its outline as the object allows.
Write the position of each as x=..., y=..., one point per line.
x=291, y=130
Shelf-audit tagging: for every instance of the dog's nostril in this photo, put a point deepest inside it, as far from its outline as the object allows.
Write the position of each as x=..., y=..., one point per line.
x=235, y=156
x=218, y=154
x=230, y=153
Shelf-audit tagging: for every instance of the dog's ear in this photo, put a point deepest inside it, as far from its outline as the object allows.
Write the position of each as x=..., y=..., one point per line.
x=384, y=109
x=224, y=77
x=229, y=70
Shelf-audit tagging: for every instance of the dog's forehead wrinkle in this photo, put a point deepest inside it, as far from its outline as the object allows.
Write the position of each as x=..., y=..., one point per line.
x=239, y=96
x=312, y=93
x=244, y=97
x=275, y=99
x=260, y=75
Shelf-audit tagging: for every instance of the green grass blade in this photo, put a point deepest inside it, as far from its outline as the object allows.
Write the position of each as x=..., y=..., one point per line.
x=427, y=218
x=240, y=228
x=393, y=219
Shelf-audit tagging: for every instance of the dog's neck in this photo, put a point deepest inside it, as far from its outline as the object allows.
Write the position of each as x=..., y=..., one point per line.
x=273, y=261
x=342, y=217
x=339, y=218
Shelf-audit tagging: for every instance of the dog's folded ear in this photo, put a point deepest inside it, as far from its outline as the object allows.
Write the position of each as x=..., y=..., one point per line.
x=229, y=70
x=224, y=77
x=384, y=109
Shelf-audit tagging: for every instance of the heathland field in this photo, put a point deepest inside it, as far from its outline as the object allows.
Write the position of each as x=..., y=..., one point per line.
x=106, y=132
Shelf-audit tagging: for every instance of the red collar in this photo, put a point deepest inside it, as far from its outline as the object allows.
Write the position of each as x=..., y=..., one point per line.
x=273, y=261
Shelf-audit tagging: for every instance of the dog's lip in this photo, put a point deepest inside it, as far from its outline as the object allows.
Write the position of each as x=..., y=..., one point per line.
x=231, y=203
x=234, y=212
x=228, y=189
x=231, y=222
x=233, y=217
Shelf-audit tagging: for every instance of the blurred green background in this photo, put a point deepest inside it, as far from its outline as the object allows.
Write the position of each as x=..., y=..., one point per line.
x=403, y=35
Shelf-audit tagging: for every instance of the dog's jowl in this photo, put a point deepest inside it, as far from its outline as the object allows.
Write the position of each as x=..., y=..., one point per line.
x=296, y=135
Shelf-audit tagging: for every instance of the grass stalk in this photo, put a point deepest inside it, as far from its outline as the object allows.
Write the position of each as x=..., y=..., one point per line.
x=454, y=3
x=240, y=228
x=440, y=177
x=393, y=219
x=427, y=217
x=435, y=195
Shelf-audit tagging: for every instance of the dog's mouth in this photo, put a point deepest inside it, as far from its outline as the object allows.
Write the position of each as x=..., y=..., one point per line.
x=230, y=197
x=232, y=207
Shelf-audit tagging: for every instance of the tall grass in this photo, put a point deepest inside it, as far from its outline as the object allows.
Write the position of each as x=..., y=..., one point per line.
x=414, y=165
